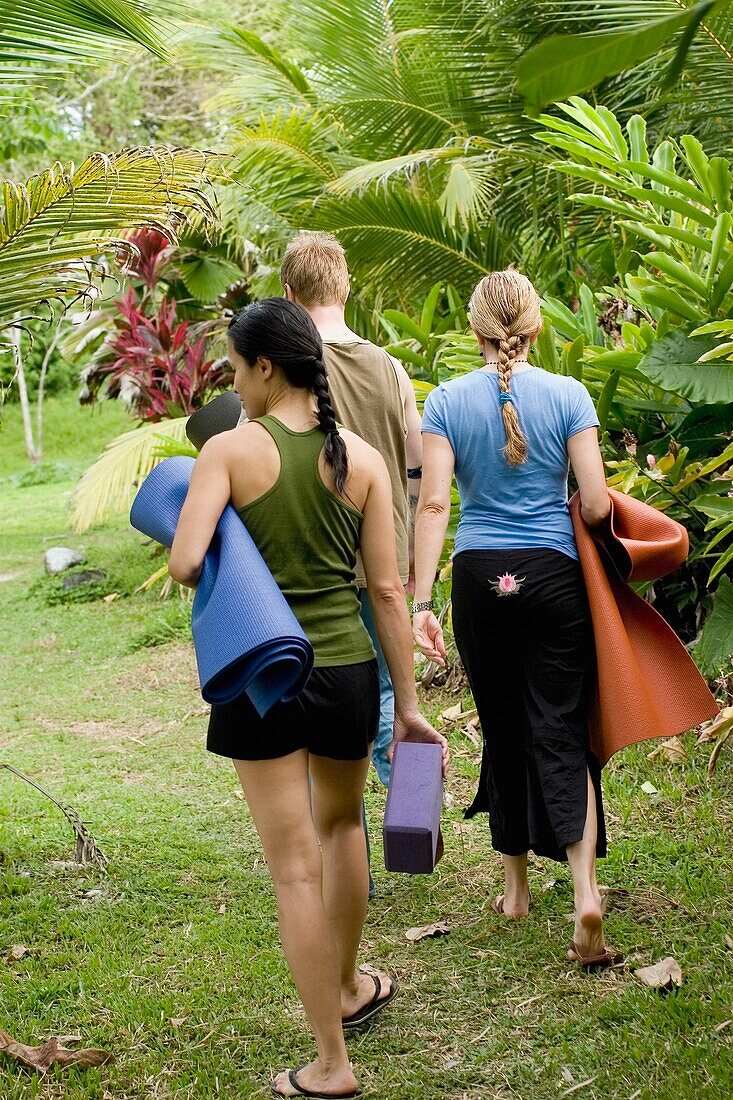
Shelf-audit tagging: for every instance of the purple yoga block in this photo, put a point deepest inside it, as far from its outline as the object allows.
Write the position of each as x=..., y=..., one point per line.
x=414, y=801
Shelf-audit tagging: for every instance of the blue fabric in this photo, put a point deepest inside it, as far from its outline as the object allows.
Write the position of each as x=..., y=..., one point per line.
x=245, y=635
x=383, y=739
x=503, y=506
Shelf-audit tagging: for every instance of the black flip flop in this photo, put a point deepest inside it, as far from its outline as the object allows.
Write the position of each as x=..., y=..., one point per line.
x=371, y=1008
x=301, y=1091
x=604, y=959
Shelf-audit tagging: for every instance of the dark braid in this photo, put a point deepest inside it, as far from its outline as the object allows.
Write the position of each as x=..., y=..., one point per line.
x=335, y=449
x=284, y=333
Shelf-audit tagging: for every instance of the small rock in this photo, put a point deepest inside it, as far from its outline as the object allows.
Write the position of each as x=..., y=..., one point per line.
x=89, y=576
x=59, y=558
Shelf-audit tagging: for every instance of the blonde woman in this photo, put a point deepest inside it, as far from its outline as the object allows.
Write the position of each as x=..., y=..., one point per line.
x=508, y=430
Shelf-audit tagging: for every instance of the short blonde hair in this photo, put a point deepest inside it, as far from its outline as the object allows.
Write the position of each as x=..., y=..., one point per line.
x=314, y=267
x=505, y=309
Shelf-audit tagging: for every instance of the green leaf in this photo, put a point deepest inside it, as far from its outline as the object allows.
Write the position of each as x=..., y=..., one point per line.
x=607, y=395
x=564, y=65
x=663, y=297
x=429, y=307
x=678, y=271
x=206, y=277
x=671, y=364
x=407, y=325
x=715, y=647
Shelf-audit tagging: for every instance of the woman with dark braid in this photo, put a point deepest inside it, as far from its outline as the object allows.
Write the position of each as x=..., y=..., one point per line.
x=309, y=494
x=508, y=430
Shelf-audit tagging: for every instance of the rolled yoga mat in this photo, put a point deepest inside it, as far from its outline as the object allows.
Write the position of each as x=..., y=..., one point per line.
x=220, y=415
x=245, y=635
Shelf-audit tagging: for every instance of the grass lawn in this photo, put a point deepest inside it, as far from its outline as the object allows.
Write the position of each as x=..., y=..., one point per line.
x=171, y=959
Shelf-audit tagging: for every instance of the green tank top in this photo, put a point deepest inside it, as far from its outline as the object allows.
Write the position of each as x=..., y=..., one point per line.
x=309, y=538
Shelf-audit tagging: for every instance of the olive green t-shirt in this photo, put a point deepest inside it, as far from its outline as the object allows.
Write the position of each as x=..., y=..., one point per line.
x=308, y=538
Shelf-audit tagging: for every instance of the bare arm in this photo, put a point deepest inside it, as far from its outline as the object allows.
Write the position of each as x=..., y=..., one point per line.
x=587, y=465
x=207, y=497
x=414, y=457
x=433, y=513
x=387, y=598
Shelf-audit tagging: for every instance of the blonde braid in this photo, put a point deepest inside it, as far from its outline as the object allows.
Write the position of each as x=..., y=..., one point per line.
x=505, y=309
x=515, y=450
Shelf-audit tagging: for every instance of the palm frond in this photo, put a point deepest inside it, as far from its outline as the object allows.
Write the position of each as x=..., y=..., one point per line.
x=55, y=227
x=400, y=239
x=42, y=37
x=108, y=485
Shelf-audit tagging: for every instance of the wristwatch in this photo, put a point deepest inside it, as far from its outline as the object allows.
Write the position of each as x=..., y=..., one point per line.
x=426, y=605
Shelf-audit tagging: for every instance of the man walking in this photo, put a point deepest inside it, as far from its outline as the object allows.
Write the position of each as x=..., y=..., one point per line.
x=373, y=396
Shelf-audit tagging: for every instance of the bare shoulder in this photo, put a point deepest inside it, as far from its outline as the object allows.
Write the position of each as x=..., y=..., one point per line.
x=362, y=455
x=244, y=438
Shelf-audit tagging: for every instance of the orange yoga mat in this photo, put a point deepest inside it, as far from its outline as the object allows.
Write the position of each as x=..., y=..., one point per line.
x=648, y=685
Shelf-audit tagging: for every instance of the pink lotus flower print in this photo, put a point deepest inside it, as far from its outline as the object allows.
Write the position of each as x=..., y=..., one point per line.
x=507, y=584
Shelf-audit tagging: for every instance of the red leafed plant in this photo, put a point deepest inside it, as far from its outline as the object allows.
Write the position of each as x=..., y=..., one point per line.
x=157, y=364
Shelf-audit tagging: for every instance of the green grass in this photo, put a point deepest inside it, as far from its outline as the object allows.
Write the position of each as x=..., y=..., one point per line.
x=184, y=926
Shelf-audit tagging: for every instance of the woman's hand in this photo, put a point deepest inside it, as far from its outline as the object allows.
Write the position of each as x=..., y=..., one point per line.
x=428, y=635
x=412, y=726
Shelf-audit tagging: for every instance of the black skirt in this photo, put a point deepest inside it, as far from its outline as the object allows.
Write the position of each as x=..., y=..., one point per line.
x=530, y=660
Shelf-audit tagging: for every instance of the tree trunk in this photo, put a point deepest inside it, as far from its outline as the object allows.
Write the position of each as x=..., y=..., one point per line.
x=25, y=408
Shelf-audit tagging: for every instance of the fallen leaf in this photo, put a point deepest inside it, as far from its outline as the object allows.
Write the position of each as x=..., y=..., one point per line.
x=567, y=1075
x=672, y=750
x=721, y=724
x=470, y=730
x=549, y=885
x=728, y=942
x=176, y=1021
x=452, y=713
x=66, y=1039
x=16, y=952
x=663, y=975
x=223, y=908
x=112, y=596
x=649, y=788
x=427, y=930
x=52, y=1051
x=239, y=793
x=721, y=1027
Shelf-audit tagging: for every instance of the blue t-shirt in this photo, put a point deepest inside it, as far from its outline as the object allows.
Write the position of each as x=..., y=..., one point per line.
x=503, y=506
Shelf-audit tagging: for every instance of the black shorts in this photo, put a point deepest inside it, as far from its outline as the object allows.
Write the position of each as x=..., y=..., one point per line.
x=336, y=715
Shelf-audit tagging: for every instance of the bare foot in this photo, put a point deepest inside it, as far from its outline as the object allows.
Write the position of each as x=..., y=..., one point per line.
x=588, y=938
x=352, y=1000
x=315, y=1078
x=513, y=906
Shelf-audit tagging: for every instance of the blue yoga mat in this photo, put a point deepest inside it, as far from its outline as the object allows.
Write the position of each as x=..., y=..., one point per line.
x=245, y=635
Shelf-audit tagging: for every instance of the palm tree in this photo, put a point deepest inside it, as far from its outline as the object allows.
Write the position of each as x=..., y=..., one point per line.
x=56, y=227
x=400, y=126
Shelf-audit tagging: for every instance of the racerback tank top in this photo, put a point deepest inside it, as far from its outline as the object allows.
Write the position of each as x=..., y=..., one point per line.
x=309, y=539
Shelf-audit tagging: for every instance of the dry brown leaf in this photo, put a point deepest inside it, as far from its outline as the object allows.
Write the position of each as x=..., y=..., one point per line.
x=176, y=1021
x=111, y=597
x=16, y=952
x=223, y=908
x=52, y=1052
x=663, y=975
x=239, y=793
x=728, y=941
x=672, y=750
x=451, y=714
x=567, y=1075
x=424, y=931
x=716, y=727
